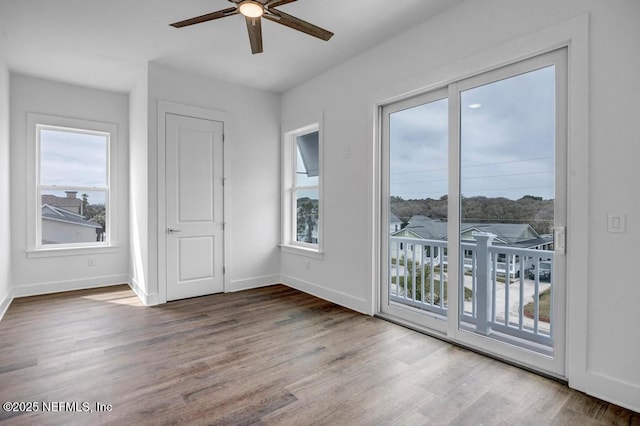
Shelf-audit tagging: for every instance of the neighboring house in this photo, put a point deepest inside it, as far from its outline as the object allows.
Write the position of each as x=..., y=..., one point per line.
x=507, y=234
x=395, y=224
x=60, y=226
x=520, y=235
x=70, y=202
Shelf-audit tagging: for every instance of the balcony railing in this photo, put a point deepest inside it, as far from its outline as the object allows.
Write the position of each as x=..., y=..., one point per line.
x=417, y=276
x=504, y=291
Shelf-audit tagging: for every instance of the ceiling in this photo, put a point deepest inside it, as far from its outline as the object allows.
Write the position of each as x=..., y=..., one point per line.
x=107, y=43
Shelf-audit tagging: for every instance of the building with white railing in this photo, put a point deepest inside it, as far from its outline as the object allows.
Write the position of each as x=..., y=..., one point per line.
x=506, y=234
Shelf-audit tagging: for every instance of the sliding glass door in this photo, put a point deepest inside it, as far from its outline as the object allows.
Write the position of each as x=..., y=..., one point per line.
x=474, y=211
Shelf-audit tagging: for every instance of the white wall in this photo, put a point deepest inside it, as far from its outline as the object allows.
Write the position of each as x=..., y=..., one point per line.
x=609, y=367
x=5, y=206
x=138, y=189
x=252, y=151
x=51, y=274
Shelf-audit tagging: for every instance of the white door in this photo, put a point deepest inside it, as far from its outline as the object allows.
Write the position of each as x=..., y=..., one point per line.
x=194, y=206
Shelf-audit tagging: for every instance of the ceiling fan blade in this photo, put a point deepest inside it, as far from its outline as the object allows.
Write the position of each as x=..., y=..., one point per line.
x=208, y=17
x=297, y=24
x=254, y=26
x=276, y=3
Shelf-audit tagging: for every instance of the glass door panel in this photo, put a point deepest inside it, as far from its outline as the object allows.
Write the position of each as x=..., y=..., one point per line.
x=511, y=201
x=416, y=216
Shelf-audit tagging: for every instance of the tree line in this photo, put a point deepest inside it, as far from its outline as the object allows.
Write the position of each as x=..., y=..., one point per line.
x=529, y=209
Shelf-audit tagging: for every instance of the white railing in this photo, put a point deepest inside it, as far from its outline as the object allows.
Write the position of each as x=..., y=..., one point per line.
x=501, y=299
x=417, y=276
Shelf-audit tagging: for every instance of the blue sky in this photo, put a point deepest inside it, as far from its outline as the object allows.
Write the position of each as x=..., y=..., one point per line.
x=507, y=142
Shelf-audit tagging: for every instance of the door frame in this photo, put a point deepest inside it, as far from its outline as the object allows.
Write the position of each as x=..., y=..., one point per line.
x=450, y=325
x=573, y=34
x=168, y=107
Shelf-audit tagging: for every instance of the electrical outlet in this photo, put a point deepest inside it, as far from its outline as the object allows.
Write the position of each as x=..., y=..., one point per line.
x=91, y=261
x=617, y=223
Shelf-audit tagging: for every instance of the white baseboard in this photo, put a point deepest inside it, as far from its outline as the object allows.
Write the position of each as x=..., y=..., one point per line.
x=146, y=299
x=613, y=390
x=359, y=305
x=60, y=286
x=255, y=282
x=5, y=302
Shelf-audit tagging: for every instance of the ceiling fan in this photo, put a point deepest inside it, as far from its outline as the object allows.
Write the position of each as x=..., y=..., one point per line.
x=253, y=11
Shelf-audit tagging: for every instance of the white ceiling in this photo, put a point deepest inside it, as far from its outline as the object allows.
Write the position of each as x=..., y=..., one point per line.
x=107, y=43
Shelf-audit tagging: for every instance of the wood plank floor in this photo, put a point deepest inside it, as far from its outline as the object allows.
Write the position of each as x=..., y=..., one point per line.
x=267, y=356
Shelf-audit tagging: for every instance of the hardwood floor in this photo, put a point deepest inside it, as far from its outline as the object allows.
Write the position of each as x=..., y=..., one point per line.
x=267, y=356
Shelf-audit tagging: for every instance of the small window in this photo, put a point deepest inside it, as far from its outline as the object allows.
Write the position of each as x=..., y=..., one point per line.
x=302, y=179
x=306, y=190
x=71, y=200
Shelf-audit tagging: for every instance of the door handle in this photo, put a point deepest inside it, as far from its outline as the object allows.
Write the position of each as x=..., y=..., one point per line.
x=173, y=231
x=559, y=239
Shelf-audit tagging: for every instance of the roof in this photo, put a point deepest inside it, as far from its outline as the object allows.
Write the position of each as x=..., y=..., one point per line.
x=427, y=228
x=63, y=202
x=393, y=218
x=309, y=152
x=61, y=215
x=513, y=234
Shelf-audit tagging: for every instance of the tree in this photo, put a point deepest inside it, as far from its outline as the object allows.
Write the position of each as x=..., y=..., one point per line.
x=529, y=209
x=307, y=218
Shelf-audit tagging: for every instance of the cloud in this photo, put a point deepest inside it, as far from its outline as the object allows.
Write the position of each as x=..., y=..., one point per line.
x=73, y=159
x=507, y=144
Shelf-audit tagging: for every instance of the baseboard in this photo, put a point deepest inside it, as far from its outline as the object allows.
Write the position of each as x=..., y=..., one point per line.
x=613, y=390
x=359, y=305
x=60, y=286
x=255, y=282
x=146, y=299
x=5, y=302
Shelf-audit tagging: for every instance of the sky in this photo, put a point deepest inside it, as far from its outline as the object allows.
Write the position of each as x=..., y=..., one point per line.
x=73, y=159
x=507, y=142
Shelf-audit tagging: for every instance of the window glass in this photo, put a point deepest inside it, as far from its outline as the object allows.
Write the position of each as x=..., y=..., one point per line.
x=73, y=186
x=76, y=159
x=306, y=191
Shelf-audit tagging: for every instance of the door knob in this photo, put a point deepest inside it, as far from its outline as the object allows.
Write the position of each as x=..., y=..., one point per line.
x=173, y=231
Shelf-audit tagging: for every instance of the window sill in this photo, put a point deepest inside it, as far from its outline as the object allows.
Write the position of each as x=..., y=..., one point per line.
x=302, y=251
x=70, y=251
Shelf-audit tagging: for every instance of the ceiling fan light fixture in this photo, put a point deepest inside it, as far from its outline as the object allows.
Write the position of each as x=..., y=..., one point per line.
x=251, y=9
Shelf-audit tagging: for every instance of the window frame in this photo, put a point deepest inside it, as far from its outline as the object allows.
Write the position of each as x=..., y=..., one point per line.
x=289, y=241
x=36, y=123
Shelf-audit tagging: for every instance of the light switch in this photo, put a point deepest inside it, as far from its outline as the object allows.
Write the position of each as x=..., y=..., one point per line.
x=616, y=222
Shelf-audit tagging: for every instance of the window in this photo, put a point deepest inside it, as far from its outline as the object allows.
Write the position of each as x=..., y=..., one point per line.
x=305, y=190
x=302, y=192
x=72, y=196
